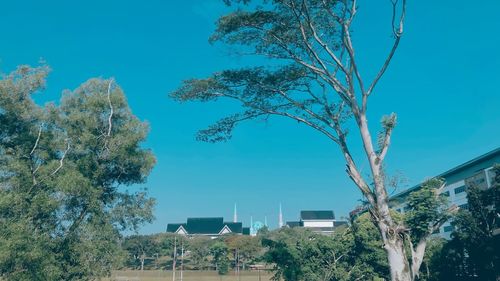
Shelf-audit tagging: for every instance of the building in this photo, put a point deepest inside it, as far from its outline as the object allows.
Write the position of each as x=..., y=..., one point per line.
x=318, y=221
x=210, y=227
x=476, y=172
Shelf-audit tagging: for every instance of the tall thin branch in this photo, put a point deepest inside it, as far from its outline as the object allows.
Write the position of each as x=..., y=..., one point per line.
x=61, y=161
x=385, y=144
x=111, y=109
x=398, y=32
x=318, y=39
x=37, y=139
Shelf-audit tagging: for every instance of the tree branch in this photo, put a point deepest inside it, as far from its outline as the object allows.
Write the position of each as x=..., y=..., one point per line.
x=385, y=144
x=398, y=32
x=37, y=139
x=111, y=109
x=61, y=161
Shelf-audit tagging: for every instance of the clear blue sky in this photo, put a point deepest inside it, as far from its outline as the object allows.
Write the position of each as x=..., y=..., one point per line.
x=443, y=84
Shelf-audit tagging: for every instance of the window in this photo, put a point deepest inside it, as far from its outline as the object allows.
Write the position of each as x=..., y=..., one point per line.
x=491, y=174
x=448, y=228
x=436, y=231
x=460, y=189
x=464, y=206
x=447, y=193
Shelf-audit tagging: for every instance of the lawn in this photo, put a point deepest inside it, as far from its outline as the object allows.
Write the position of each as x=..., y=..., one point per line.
x=157, y=275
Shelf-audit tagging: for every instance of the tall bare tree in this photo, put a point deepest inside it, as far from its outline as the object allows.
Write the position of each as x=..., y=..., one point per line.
x=313, y=78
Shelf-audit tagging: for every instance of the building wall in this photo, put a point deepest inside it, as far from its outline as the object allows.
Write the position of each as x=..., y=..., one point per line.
x=318, y=223
x=479, y=175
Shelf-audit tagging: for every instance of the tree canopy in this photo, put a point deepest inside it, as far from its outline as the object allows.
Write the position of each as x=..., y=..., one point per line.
x=63, y=170
x=473, y=252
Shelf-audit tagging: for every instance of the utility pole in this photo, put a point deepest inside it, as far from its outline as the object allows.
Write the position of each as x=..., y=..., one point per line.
x=175, y=258
x=238, y=264
x=182, y=260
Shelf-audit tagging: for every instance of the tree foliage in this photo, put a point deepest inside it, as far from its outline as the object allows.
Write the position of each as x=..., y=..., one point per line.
x=199, y=248
x=427, y=209
x=219, y=252
x=352, y=253
x=473, y=252
x=246, y=249
x=62, y=167
x=139, y=248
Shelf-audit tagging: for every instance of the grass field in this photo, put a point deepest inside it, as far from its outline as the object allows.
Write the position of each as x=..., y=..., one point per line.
x=157, y=275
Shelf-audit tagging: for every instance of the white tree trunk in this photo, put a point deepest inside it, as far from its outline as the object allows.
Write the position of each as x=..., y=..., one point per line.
x=418, y=257
x=398, y=263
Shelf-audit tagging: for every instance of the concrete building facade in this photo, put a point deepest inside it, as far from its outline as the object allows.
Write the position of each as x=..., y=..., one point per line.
x=477, y=172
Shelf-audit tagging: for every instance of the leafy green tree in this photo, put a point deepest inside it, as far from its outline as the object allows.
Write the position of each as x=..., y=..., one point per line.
x=199, y=252
x=427, y=211
x=167, y=241
x=366, y=252
x=433, y=259
x=139, y=248
x=61, y=208
x=245, y=248
x=219, y=252
x=474, y=251
x=299, y=255
x=312, y=78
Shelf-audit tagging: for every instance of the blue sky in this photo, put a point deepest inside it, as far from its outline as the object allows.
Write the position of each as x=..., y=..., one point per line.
x=442, y=83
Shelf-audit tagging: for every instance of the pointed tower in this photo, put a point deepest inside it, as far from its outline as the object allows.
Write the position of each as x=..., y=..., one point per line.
x=265, y=221
x=252, y=229
x=235, y=215
x=280, y=218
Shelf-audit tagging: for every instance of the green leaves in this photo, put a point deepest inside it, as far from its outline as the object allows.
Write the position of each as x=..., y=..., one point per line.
x=285, y=91
x=219, y=252
x=473, y=251
x=281, y=29
x=61, y=209
x=427, y=208
x=352, y=253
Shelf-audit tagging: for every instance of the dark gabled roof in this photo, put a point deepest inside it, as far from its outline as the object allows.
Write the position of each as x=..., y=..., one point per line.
x=317, y=215
x=204, y=225
x=173, y=227
x=246, y=230
x=235, y=227
x=293, y=224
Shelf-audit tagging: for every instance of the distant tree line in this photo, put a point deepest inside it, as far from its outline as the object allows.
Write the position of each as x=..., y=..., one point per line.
x=158, y=251
x=353, y=252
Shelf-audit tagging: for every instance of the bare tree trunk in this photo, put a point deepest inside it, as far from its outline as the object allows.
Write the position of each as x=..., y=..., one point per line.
x=398, y=263
x=391, y=233
x=417, y=258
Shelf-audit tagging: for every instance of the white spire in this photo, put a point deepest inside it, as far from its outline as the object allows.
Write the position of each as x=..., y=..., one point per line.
x=265, y=221
x=235, y=215
x=280, y=218
x=253, y=231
